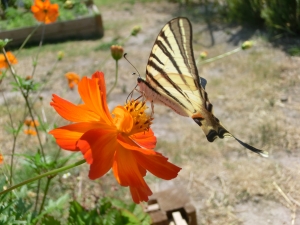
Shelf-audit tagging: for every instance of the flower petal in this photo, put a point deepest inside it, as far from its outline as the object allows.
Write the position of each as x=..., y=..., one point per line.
x=145, y=139
x=151, y=160
x=94, y=97
x=129, y=173
x=140, y=194
x=67, y=136
x=100, y=144
x=126, y=169
x=39, y=4
x=102, y=87
x=71, y=112
x=157, y=164
x=129, y=144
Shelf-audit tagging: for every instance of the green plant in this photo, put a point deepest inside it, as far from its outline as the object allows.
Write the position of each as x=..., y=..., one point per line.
x=243, y=11
x=282, y=15
x=276, y=15
x=108, y=211
x=17, y=17
x=294, y=51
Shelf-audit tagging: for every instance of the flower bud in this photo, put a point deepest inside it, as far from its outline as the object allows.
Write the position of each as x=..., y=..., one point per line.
x=68, y=4
x=27, y=122
x=60, y=55
x=116, y=52
x=203, y=55
x=135, y=30
x=247, y=45
x=28, y=77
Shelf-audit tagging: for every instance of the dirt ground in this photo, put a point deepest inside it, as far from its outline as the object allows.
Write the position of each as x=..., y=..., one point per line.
x=255, y=94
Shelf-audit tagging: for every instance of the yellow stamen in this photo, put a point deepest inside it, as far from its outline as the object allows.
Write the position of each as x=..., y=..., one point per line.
x=141, y=121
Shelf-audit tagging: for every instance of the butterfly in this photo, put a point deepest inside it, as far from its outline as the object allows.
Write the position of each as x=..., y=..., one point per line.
x=172, y=79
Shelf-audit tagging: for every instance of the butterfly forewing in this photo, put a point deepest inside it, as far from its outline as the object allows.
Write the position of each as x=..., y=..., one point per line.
x=171, y=66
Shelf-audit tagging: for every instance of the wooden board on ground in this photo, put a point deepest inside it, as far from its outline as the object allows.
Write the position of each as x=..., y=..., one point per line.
x=163, y=204
x=82, y=28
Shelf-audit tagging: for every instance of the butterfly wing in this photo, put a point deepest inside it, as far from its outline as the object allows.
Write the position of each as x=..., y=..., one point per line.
x=172, y=72
x=172, y=79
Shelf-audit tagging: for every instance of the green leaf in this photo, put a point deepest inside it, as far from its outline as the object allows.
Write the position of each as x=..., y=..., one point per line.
x=113, y=217
x=80, y=216
x=118, y=203
x=104, y=206
x=131, y=218
x=50, y=220
x=4, y=42
x=59, y=204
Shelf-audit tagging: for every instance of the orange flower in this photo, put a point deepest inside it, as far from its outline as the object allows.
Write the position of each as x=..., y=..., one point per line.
x=31, y=123
x=1, y=158
x=122, y=141
x=11, y=58
x=73, y=79
x=30, y=132
x=44, y=11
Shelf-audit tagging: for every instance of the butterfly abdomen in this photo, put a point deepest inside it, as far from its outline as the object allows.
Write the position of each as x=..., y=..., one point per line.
x=210, y=124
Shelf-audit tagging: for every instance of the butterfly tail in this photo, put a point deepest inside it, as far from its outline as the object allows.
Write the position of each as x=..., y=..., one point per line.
x=216, y=130
x=253, y=149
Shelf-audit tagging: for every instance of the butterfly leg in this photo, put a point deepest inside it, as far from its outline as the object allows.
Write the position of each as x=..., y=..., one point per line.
x=152, y=109
x=138, y=98
x=131, y=93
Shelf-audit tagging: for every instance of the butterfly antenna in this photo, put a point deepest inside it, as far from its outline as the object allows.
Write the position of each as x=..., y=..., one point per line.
x=131, y=93
x=131, y=65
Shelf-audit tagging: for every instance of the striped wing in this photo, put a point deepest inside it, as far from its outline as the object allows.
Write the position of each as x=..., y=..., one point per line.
x=171, y=67
x=172, y=79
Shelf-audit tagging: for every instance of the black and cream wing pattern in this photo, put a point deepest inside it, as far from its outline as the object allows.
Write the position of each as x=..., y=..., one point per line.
x=172, y=79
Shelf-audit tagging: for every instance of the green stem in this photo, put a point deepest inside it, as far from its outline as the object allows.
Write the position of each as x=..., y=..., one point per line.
x=116, y=80
x=49, y=178
x=39, y=50
x=27, y=38
x=52, y=172
x=37, y=196
x=221, y=56
x=14, y=141
x=25, y=96
x=45, y=82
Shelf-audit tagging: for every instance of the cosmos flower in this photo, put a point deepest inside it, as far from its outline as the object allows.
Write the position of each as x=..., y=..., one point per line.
x=30, y=132
x=30, y=126
x=11, y=58
x=121, y=140
x=73, y=79
x=31, y=123
x=44, y=11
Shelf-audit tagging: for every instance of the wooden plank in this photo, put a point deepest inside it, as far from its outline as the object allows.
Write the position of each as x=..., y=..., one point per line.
x=178, y=218
x=173, y=200
x=152, y=207
x=83, y=28
x=158, y=218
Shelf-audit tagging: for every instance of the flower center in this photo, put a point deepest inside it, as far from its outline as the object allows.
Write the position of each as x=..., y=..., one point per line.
x=141, y=121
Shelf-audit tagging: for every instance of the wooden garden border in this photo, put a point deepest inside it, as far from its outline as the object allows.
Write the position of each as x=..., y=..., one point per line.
x=82, y=28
